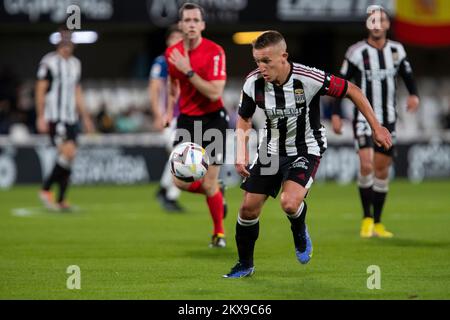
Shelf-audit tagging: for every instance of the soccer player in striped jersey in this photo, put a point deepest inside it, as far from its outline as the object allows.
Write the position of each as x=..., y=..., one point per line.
x=289, y=94
x=59, y=102
x=375, y=64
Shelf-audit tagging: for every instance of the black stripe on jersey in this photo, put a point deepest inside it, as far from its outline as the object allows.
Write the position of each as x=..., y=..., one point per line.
x=59, y=92
x=260, y=98
x=300, y=142
x=384, y=88
x=394, y=53
x=280, y=102
x=368, y=92
x=314, y=121
x=247, y=107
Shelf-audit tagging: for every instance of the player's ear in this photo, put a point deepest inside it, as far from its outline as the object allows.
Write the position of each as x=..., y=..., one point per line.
x=203, y=26
x=285, y=55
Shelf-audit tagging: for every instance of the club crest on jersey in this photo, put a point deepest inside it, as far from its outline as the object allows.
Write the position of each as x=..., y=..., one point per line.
x=299, y=96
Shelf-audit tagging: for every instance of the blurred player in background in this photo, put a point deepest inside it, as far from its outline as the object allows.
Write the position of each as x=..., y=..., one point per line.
x=289, y=94
x=168, y=193
x=374, y=65
x=197, y=78
x=59, y=103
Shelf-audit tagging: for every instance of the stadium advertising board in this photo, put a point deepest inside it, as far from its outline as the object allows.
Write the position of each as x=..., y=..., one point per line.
x=137, y=164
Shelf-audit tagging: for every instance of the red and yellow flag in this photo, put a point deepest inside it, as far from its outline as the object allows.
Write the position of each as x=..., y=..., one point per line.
x=423, y=22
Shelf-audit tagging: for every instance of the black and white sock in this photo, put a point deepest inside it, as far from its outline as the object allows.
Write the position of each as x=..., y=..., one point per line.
x=298, y=224
x=380, y=189
x=247, y=232
x=56, y=174
x=64, y=177
x=365, y=184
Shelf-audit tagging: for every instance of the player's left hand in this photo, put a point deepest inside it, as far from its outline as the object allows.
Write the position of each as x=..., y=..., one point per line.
x=382, y=137
x=412, y=104
x=181, y=62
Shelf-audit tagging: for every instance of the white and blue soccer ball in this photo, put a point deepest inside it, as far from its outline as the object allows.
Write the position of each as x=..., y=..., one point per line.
x=189, y=162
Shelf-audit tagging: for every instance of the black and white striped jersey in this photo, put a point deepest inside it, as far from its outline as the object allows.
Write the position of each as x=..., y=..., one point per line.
x=292, y=110
x=64, y=75
x=375, y=72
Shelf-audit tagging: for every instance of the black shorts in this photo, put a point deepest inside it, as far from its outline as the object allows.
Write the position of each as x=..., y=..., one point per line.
x=364, y=139
x=61, y=132
x=300, y=169
x=212, y=136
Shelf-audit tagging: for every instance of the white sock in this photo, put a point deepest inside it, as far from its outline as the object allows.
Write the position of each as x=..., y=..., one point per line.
x=166, y=178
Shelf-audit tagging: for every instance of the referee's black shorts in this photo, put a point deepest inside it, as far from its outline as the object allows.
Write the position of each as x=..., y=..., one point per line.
x=61, y=132
x=300, y=169
x=208, y=130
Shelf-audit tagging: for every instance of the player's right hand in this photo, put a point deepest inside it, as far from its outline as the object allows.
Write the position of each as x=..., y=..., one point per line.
x=241, y=169
x=41, y=125
x=382, y=137
x=336, y=123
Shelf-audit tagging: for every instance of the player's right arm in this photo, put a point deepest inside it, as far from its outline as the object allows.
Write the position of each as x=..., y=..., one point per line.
x=247, y=107
x=155, y=88
x=173, y=94
x=44, y=77
x=40, y=92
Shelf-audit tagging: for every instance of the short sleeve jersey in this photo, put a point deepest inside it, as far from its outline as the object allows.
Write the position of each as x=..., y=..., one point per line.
x=208, y=61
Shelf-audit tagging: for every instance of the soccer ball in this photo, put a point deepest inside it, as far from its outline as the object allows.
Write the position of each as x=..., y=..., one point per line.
x=188, y=162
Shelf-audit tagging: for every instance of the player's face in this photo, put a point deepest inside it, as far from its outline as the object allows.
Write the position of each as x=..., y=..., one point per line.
x=192, y=24
x=379, y=30
x=270, y=61
x=174, y=37
x=66, y=49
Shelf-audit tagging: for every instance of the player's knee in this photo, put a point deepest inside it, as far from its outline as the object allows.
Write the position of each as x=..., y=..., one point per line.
x=366, y=168
x=249, y=211
x=290, y=203
x=69, y=151
x=180, y=184
x=210, y=186
x=381, y=171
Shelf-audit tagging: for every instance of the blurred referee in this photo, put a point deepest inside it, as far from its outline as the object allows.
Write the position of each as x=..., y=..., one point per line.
x=59, y=103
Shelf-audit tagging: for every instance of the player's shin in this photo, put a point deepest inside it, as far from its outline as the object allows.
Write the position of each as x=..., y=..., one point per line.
x=297, y=221
x=63, y=181
x=57, y=173
x=380, y=188
x=247, y=232
x=365, y=186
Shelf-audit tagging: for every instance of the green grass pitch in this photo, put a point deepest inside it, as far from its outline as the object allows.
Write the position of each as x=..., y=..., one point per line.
x=128, y=248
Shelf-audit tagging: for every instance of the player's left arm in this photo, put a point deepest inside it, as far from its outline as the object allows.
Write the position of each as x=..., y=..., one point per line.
x=82, y=111
x=405, y=71
x=381, y=135
x=212, y=87
x=340, y=88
